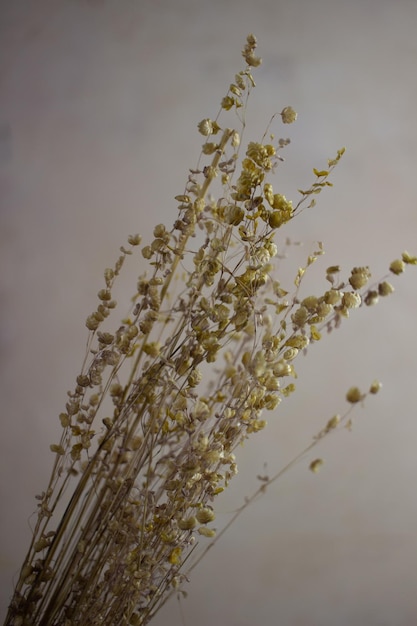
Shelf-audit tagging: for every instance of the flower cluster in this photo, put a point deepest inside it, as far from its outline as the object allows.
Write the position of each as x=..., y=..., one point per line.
x=147, y=444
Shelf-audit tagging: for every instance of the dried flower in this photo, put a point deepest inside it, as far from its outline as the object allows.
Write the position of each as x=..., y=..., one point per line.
x=375, y=387
x=385, y=288
x=354, y=395
x=397, y=266
x=408, y=258
x=359, y=277
x=351, y=300
x=288, y=115
x=205, y=127
x=316, y=465
x=371, y=297
x=248, y=52
x=151, y=427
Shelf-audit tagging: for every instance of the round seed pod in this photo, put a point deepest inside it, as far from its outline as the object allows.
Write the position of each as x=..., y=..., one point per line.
x=187, y=523
x=205, y=515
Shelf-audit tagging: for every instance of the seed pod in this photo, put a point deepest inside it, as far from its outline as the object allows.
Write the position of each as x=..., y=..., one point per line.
x=205, y=515
x=385, y=288
x=375, y=387
x=234, y=214
x=205, y=127
x=316, y=465
x=206, y=532
x=288, y=115
x=134, y=240
x=104, y=294
x=351, y=300
x=187, y=523
x=359, y=277
x=397, y=266
x=333, y=423
x=57, y=449
x=354, y=395
x=371, y=297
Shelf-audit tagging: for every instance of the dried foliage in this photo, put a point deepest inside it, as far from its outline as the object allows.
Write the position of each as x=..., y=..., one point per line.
x=151, y=427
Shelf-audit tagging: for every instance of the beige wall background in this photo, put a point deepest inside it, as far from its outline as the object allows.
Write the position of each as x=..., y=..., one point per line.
x=98, y=113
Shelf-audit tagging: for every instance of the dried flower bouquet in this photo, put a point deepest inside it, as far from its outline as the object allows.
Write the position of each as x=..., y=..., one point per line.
x=162, y=402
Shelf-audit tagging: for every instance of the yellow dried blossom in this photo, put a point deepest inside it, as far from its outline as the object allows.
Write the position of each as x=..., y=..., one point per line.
x=248, y=52
x=187, y=523
x=385, y=288
x=278, y=218
x=288, y=390
x=65, y=420
x=340, y=153
x=323, y=310
x=282, y=369
x=258, y=364
x=261, y=154
x=227, y=103
x=288, y=115
x=298, y=341
x=371, y=297
x=316, y=465
x=83, y=380
x=332, y=423
x=397, y=266
x=359, y=277
x=109, y=276
x=281, y=203
x=375, y=387
x=240, y=82
x=160, y=232
x=147, y=252
x=152, y=349
x=250, y=177
x=271, y=401
x=351, y=300
x=320, y=173
x=235, y=90
x=270, y=382
x=315, y=335
x=201, y=410
x=354, y=395
x=195, y=378
x=310, y=303
x=290, y=354
x=206, y=532
x=271, y=247
x=57, y=449
x=332, y=296
x=134, y=240
x=256, y=425
x=175, y=556
x=104, y=294
x=235, y=141
x=205, y=127
x=41, y=544
x=333, y=269
x=205, y=515
x=208, y=127
x=299, y=318
x=105, y=338
x=183, y=199
x=233, y=214
x=407, y=258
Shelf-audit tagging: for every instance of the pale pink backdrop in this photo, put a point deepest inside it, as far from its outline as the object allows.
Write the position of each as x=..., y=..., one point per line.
x=98, y=113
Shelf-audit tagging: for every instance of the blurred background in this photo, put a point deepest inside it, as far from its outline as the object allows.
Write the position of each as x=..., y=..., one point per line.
x=98, y=113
